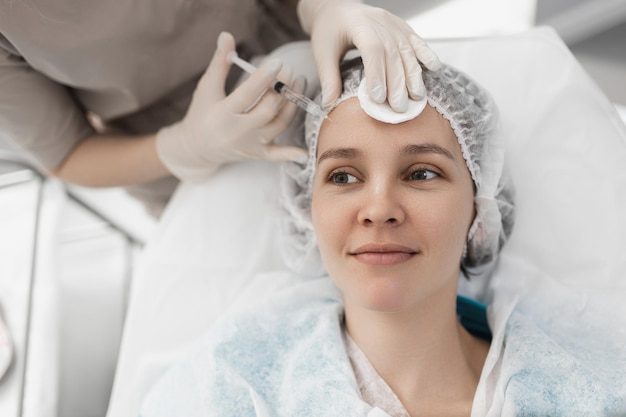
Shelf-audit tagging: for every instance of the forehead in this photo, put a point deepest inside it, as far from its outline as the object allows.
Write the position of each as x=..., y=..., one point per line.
x=351, y=126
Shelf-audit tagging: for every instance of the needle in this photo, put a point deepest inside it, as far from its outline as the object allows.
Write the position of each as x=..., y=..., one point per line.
x=299, y=100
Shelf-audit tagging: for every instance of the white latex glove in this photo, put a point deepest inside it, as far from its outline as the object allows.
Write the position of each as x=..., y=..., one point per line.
x=218, y=129
x=388, y=45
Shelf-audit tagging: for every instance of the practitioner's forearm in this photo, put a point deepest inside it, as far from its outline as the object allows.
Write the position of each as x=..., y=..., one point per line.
x=110, y=160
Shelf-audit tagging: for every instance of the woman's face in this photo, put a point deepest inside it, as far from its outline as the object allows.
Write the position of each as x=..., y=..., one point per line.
x=392, y=205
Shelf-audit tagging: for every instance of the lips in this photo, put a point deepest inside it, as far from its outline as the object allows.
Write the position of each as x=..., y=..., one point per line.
x=383, y=254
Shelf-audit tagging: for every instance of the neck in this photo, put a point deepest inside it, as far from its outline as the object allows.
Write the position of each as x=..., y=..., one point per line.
x=422, y=353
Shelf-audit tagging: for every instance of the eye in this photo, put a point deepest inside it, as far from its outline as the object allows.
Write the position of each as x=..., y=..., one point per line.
x=422, y=175
x=342, y=178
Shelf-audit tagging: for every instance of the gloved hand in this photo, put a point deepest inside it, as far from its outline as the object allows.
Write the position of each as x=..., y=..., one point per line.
x=389, y=47
x=218, y=129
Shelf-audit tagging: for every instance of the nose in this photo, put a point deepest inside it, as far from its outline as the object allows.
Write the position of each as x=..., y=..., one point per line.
x=381, y=205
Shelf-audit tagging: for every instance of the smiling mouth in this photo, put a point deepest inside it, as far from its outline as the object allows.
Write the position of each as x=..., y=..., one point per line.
x=383, y=254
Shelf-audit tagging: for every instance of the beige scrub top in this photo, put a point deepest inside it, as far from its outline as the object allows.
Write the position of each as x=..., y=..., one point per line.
x=133, y=63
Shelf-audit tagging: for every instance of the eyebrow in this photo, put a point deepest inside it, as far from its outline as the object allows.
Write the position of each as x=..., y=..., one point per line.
x=340, y=153
x=413, y=149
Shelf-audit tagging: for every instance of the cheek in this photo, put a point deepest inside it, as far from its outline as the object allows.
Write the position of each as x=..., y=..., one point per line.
x=323, y=221
x=450, y=219
x=464, y=204
x=330, y=223
x=322, y=226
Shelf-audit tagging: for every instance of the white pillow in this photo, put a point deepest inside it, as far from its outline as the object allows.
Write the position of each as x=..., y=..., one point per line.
x=216, y=244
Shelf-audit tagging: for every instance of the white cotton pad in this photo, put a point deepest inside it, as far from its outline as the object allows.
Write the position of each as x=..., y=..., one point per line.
x=383, y=111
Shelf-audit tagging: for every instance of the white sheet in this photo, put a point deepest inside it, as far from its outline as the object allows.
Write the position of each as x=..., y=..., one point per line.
x=567, y=153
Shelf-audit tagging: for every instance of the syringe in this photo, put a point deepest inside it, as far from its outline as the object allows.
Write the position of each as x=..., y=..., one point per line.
x=299, y=100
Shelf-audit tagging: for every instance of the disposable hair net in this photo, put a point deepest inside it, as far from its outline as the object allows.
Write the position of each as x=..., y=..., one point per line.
x=473, y=116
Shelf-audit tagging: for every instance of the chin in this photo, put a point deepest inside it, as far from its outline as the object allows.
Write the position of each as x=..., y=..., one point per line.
x=385, y=296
